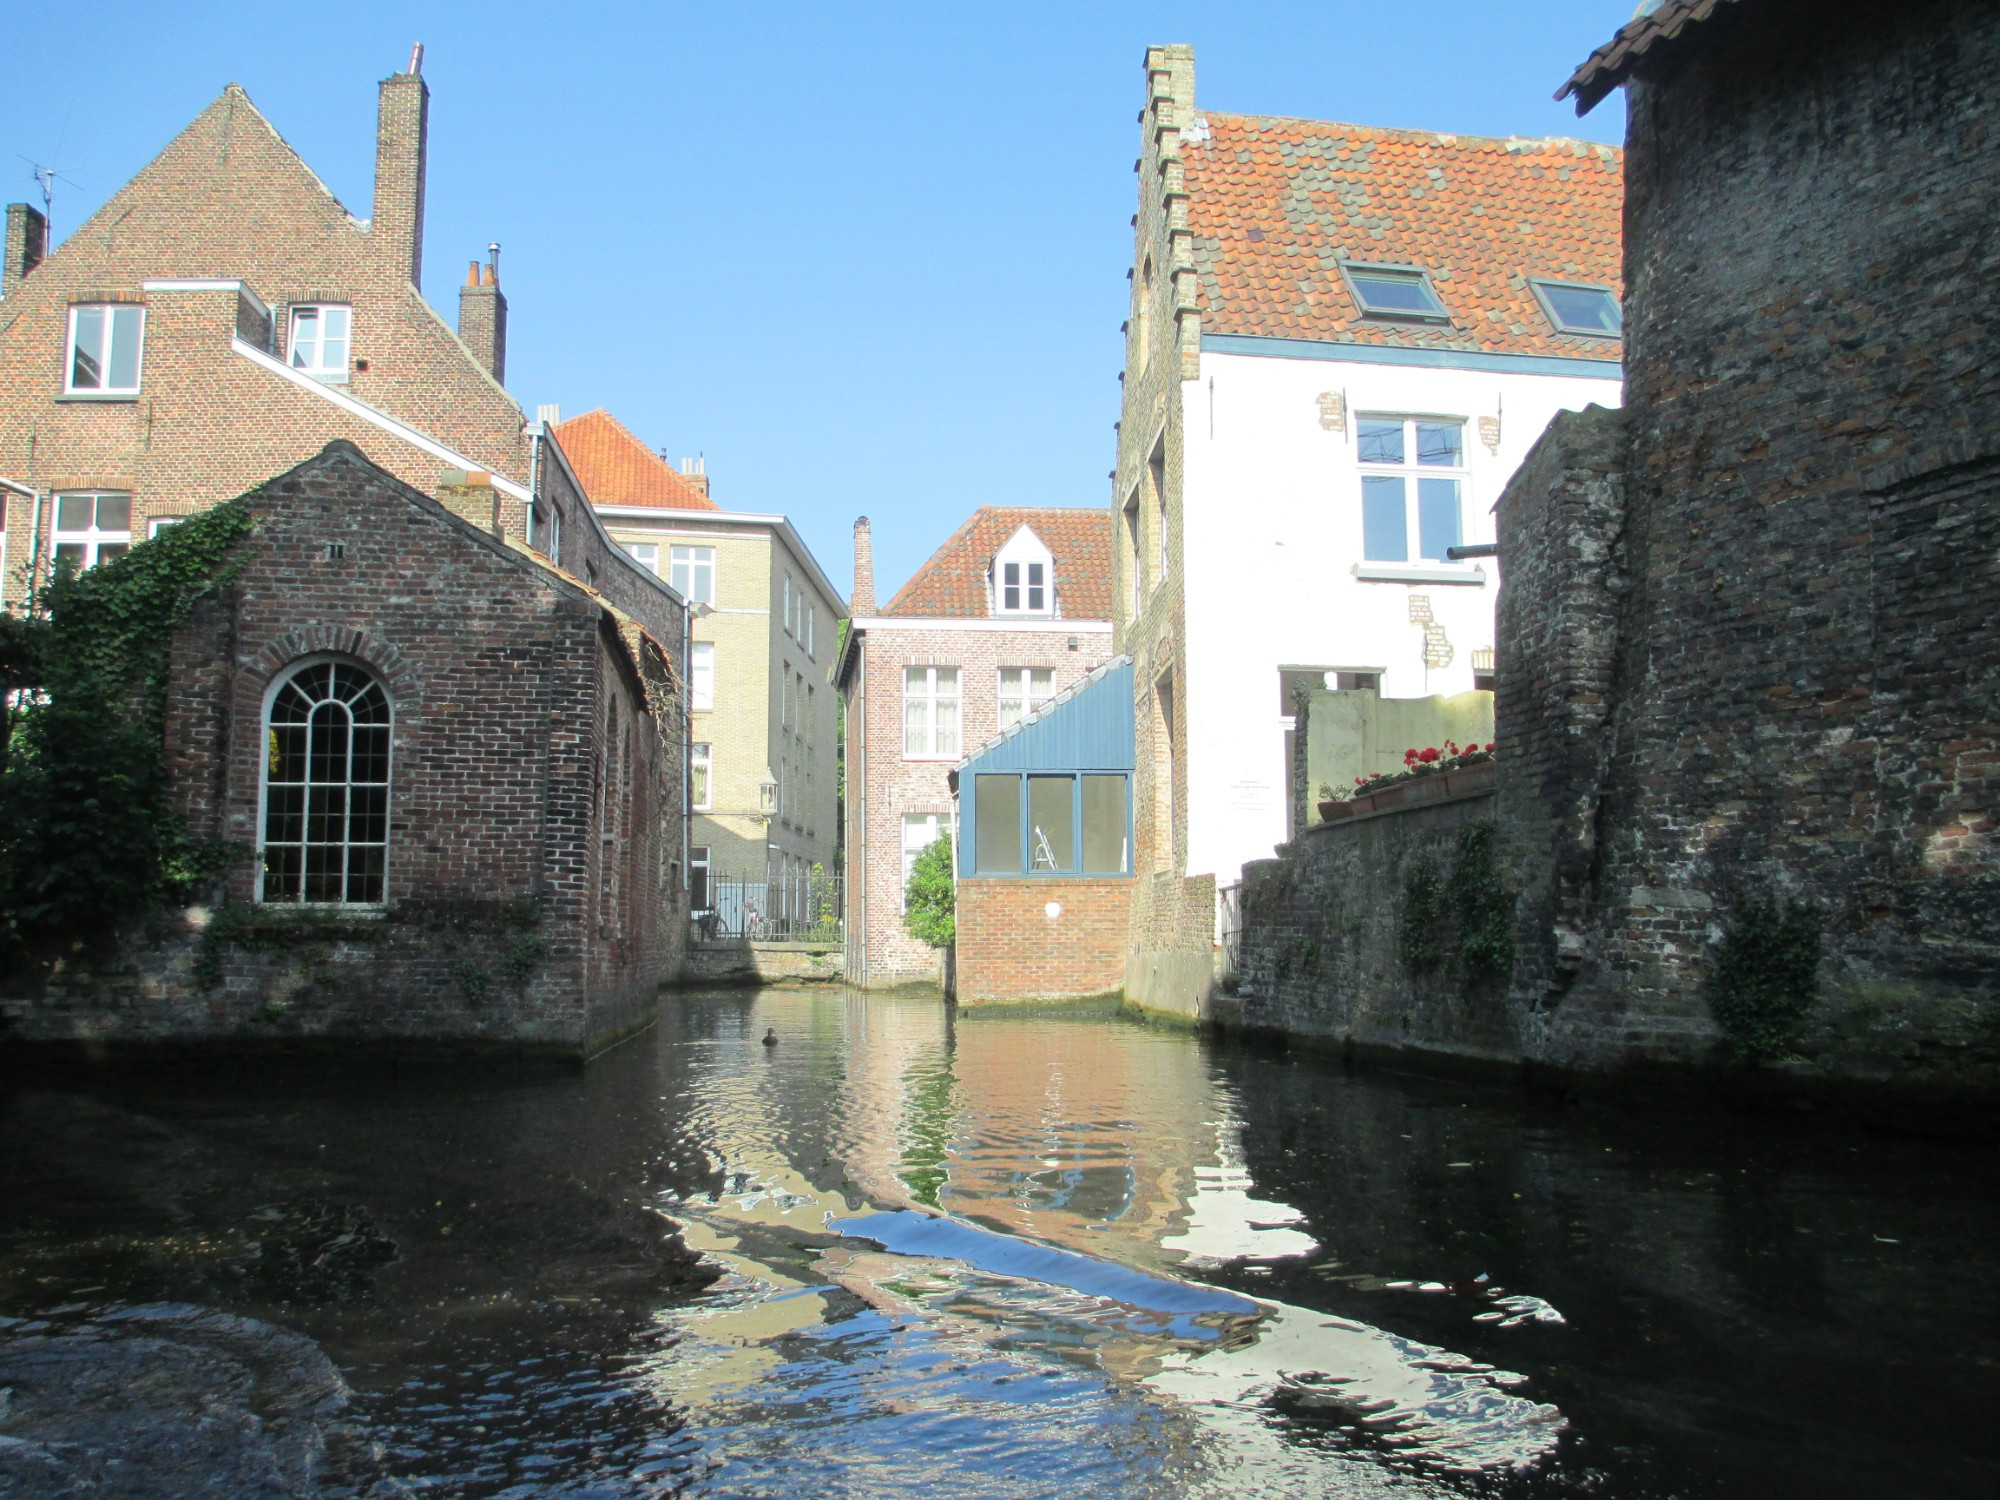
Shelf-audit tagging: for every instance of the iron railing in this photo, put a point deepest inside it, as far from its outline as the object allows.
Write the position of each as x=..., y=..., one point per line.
x=795, y=906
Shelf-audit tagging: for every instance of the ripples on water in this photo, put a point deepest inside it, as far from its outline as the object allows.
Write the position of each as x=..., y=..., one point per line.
x=1060, y=1254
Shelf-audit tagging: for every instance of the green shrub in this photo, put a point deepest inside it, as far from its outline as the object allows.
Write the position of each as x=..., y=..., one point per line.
x=930, y=912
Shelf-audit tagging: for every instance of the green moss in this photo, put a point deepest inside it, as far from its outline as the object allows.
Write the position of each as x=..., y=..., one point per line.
x=1766, y=977
x=1462, y=922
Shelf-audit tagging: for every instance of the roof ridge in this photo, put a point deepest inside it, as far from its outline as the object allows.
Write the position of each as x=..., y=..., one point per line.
x=1414, y=133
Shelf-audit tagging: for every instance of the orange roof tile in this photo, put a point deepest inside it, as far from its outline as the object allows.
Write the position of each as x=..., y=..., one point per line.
x=617, y=469
x=952, y=585
x=1276, y=205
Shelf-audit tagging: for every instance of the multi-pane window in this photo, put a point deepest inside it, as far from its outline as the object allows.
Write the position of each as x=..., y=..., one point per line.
x=326, y=787
x=698, y=867
x=701, y=675
x=1412, y=487
x=105, y=339
x=698, y=779
x=92, y=526
x=1023, y=690
x=693, y=573
x=930, y=713
x=1388, y=292
x=646, y=554
x=1581, y=309
x=1060, y=824
x=1024, y=587
x=319, y=339
x=920, y=831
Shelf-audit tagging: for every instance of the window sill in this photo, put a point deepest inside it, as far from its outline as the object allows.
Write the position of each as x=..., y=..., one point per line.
x=942, y=760
x=113, y=398
x=1048, y=875
x=1369, y=572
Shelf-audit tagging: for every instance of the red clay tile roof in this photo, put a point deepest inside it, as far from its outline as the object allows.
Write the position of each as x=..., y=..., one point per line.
x=1276, y=205
x=952, y=585
x=1611, y=64
x=617, y=469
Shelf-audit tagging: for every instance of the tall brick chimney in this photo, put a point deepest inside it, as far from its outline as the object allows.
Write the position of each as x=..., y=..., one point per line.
x=27, y=243
x=695, y=472
x=482, y=314
x=401, y=130
x=863, y=602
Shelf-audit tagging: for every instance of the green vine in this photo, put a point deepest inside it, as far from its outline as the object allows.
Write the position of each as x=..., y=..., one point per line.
x=86, y=827
x=1766, y=977
x=1465, y=919
x=1423, y=909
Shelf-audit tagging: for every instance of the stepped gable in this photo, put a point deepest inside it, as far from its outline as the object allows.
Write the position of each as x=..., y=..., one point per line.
x=952, y=584
x=617, y=469
x=1276, y=205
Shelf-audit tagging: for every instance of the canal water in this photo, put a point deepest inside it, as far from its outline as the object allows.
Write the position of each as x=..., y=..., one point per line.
x=902, y=1252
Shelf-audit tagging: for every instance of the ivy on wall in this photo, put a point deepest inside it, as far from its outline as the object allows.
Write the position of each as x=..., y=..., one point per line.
x=1461, y=921
x=1766, y=977
x=87, y=838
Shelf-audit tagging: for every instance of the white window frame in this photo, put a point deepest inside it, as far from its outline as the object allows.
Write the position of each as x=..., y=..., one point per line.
x=701, y=676
x=111, y=311
x=701, y=773
x=1021, y=695
x=158, y=524
x=935, y=823
x=324, y=314
x=1543, y=286
x=1408, y=472
x=925, y=691
x=645, y=554
x=91, y=539
x=812, y=626
x=700, y=858
x=387, y=783
x=1016, y=567
x=691, y=572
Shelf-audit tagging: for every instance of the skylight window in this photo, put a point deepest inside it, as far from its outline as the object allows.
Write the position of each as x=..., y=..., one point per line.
x=1581, y=309
x=1385, y=292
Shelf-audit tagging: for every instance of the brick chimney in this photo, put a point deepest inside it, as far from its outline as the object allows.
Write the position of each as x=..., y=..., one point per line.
x=27, y=243
x=695, y=472
x=482, y=314
x=401, y=129
x=863, y=602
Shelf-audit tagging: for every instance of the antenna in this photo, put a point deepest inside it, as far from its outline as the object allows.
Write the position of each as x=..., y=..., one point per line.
x=45, y=179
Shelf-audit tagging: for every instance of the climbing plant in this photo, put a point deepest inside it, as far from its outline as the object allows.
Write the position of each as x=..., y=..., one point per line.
x=1462, y=921
x=1766, y=976
x=87, y=837
x=930, y=912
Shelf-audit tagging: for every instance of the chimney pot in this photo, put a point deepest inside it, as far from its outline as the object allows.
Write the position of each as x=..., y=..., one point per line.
x=863, y=602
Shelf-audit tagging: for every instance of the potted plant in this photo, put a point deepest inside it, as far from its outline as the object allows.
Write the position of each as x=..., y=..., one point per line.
x=1331, y=804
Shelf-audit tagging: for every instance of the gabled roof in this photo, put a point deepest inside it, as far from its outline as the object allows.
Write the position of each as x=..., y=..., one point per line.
x=617, y=469
x=1610, y=65
x=1276, y=205
x=952, y=585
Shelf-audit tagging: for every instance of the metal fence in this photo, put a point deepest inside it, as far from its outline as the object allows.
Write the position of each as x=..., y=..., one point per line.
x=796, y=906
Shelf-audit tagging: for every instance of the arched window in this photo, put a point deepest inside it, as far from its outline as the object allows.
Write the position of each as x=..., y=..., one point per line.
x=326, y=787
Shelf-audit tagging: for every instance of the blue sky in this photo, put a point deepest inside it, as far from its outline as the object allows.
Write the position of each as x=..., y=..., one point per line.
x=867, y=259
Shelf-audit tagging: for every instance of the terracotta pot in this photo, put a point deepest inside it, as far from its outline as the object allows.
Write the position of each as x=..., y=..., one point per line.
x=1328, y=811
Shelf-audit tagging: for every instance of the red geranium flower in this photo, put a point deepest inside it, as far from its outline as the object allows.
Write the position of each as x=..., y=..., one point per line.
x=1428, y=754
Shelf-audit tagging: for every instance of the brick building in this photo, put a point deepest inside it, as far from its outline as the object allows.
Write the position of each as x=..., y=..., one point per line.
x=461, y=768
x=765, y=792
x=1342, y=342
x=1010, y=611
x=221, y=318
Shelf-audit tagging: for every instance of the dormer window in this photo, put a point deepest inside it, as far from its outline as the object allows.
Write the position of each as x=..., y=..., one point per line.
x=1024, y=577
x=319, y=339
x=1395, y=292
x=1590, y=310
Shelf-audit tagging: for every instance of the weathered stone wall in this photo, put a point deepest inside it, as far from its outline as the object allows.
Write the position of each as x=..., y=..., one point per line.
x=764, y=963
x=1322, y=952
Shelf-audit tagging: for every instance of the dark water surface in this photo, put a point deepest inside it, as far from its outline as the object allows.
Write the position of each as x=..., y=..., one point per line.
x=1014, y=1255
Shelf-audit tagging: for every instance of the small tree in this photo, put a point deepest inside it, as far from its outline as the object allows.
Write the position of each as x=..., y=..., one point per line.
x=930, y=910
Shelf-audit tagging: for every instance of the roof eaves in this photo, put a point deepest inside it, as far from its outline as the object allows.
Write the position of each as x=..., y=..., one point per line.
x=1611, y=64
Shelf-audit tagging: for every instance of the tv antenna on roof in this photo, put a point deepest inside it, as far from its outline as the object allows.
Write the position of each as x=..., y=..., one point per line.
x=45, y=180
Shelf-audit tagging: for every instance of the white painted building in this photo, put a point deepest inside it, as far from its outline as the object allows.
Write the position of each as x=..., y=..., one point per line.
x=1343, y=342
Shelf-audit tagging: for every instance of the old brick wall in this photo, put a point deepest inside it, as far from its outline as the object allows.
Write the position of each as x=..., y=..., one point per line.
x=897, y=786
x=535, y=828
x=227, y=199
x=1025, y=940
x=1322, y=941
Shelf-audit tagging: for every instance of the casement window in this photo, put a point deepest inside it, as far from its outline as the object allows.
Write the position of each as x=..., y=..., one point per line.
x=1591, y=310
x=1023, y=576
x=326, y=787
x=812, y=625
x=1023, y=690
x=701, y=676
x=92, y=526
x=1412, y=487
x=1399, y=293
x=920, y=831
x=317, y=341
x=106, y=340
x=930, y=713
x=693, y=573
x=1069, y=823
x=159, y=524
x=698, y=778
x=698, y=888
x=646, y=554
x=788, y=608
x=553, y=552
